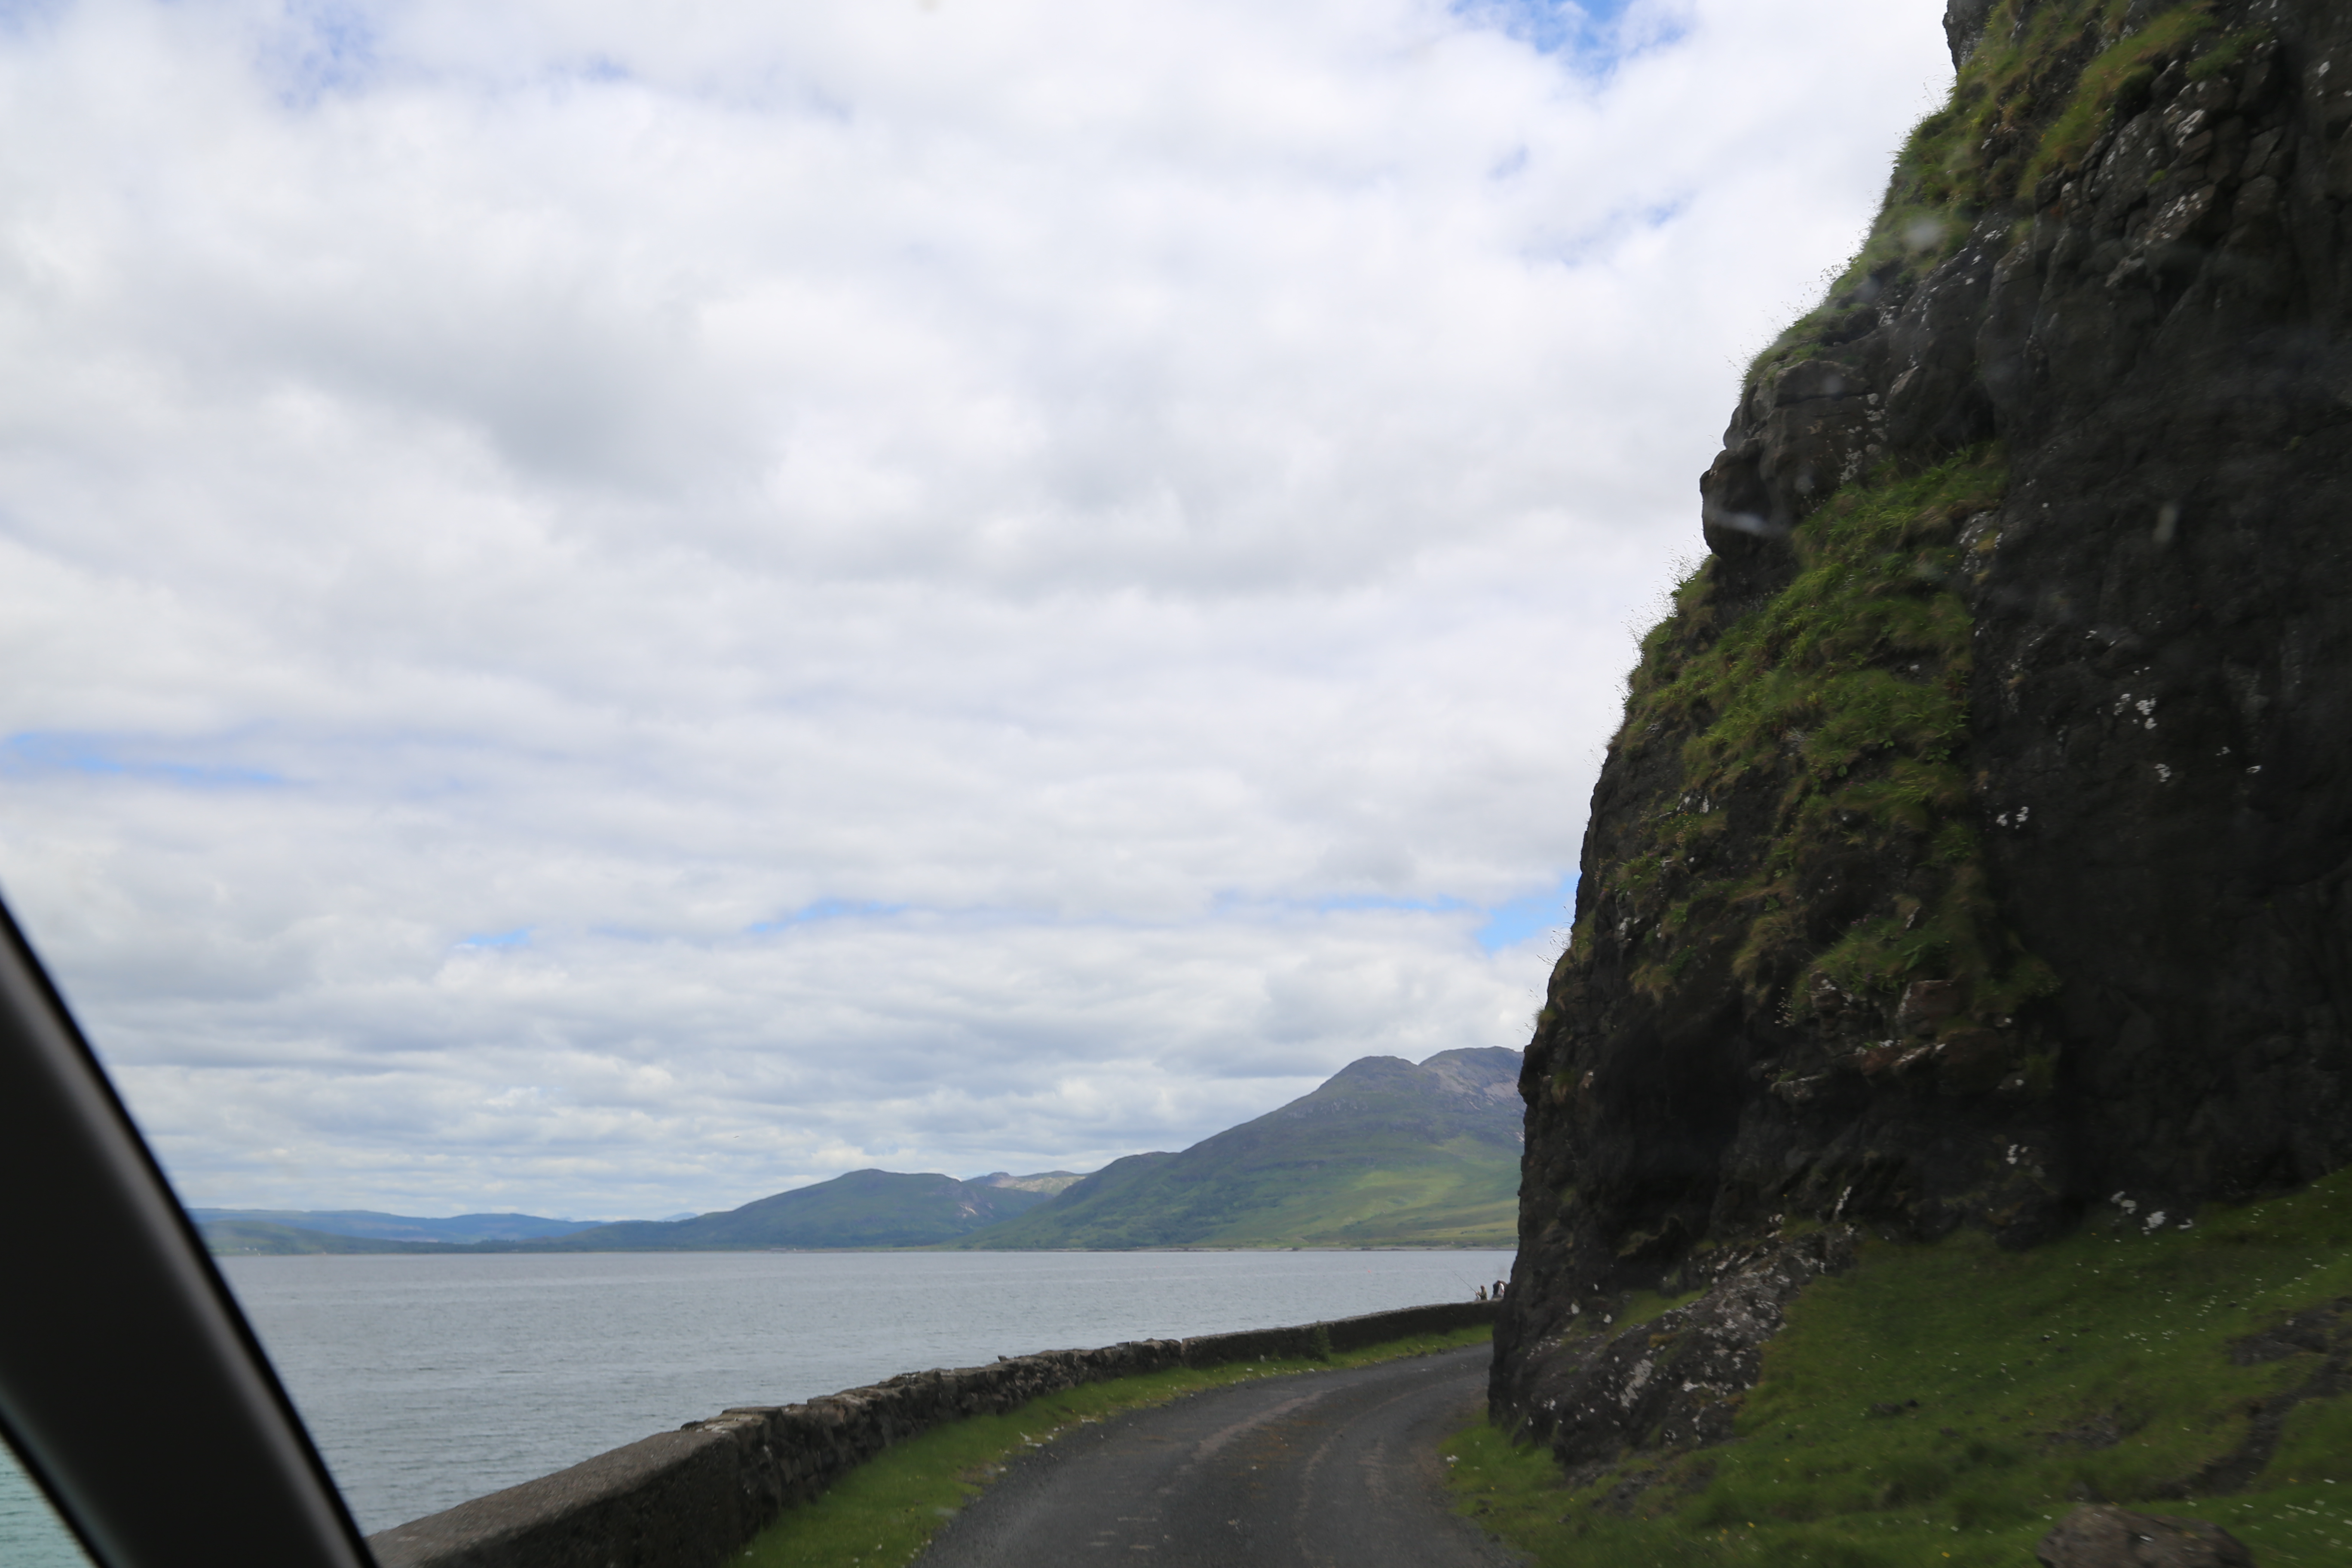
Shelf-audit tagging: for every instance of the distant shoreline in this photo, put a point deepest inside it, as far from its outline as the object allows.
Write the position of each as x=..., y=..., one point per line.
x=1385, y=1154
x=492, y=1249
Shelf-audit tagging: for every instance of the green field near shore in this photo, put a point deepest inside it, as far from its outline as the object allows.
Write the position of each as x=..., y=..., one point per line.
x=2169, y=1369
x=887, y=1509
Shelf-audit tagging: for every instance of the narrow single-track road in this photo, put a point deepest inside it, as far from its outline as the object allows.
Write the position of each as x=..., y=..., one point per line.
x=1327, y=1469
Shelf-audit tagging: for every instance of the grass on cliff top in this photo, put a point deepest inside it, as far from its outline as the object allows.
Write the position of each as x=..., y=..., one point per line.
x=2032, y=101
x=886, y=1510
x=2098, y=1367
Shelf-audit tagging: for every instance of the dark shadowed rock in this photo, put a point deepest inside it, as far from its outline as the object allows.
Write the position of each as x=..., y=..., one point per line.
x=1675, y=1381
x=1964, y=26
x=2099, y=1536
x=2078, y=944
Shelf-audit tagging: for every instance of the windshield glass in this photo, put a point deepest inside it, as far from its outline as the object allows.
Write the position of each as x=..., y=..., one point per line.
x=707, y=704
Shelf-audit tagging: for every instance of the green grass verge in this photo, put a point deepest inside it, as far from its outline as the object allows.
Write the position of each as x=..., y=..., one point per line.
x=2095, y=1367
x=887, y=1509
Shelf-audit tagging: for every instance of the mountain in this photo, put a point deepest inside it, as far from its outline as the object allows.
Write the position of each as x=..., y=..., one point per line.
x=864, y=1208
x=1385, y=1153
x=245, y=1237
x=1976, y=850
x=1045, y=1182
x=461, y=1227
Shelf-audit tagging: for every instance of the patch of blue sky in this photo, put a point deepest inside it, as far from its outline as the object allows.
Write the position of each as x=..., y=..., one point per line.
x=1524, y=920
x=828, y=910
x=1506, y=925
x=1229, y=903
x=324, y=48
x=35, y=752
x=1438, y=906
x=1593, y=36
x=1657, y=215
x=603, y=69
x=519, y=937
x=1602, y=239
x=22, y=15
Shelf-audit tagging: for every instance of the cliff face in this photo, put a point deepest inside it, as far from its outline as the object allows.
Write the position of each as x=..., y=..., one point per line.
x=1975, y=846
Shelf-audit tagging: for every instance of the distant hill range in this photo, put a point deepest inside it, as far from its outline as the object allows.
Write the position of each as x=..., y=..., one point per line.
x=247, y=1238
x=864, y=1208
x=232, y=1232
x=1386, y=1152
x=367, y=1223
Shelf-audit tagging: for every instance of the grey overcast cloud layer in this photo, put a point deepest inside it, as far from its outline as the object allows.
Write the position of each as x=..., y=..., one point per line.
x=611, y=609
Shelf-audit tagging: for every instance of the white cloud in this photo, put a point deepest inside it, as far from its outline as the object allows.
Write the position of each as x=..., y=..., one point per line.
x=611, y=608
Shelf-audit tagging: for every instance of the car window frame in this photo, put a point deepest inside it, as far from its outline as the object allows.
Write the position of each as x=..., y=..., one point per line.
x=132, y=1389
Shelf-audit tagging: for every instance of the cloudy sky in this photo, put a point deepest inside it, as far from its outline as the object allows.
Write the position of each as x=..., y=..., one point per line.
x=607, y=609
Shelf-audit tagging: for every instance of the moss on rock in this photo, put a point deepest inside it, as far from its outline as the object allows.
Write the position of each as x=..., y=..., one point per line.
x=1834, y=721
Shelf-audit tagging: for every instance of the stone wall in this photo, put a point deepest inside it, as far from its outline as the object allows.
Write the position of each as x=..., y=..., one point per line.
x=688, y=1499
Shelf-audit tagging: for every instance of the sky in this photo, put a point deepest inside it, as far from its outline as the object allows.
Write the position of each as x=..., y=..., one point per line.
x=608, y=609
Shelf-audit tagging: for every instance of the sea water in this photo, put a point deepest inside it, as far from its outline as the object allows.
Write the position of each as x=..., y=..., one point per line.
x=30, y=1534
x=429, y=1379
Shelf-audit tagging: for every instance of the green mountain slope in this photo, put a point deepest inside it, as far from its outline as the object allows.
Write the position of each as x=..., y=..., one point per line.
x=864, y=1208
x=1386, y=1152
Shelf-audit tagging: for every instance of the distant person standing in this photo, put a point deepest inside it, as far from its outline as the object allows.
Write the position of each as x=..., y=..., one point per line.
x=1481, y=1293
x=1498, y=1290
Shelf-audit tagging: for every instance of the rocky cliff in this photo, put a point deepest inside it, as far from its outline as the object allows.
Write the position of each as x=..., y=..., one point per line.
x=1975, y=847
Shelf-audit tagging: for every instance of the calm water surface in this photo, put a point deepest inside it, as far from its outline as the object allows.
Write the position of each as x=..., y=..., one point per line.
x=428, y=1379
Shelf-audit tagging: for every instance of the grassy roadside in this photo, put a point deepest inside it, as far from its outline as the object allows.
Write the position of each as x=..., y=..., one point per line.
x=886, y=1510
x=2142, y=1363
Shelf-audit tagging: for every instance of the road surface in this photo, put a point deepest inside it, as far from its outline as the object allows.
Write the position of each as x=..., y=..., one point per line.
x=1327, y=1469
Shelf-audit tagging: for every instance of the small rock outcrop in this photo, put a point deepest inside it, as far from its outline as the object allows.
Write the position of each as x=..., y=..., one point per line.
x=2097, y=1536
x=1977, y=848
x=1675, y=1380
